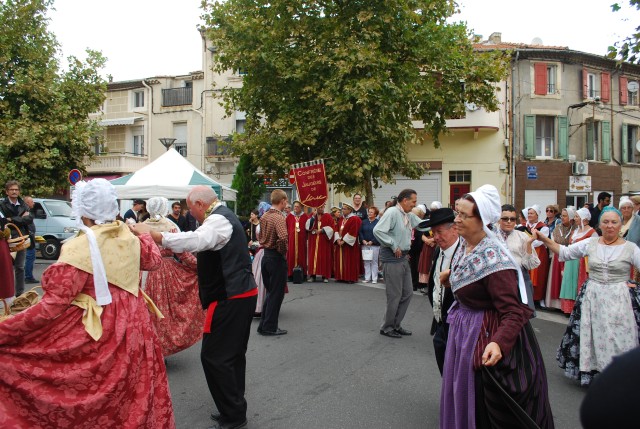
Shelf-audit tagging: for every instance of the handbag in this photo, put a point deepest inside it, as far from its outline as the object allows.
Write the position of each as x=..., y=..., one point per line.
x=367, y=254
x=18, y=243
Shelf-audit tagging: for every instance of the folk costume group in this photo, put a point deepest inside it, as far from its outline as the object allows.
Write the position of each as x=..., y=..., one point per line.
x=91, y=353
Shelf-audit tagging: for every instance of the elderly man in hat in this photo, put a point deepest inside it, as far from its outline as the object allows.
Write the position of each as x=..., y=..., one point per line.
x=447, y=242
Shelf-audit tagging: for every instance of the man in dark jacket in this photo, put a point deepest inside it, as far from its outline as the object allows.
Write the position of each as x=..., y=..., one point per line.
x=16, y=211
x=446, y=237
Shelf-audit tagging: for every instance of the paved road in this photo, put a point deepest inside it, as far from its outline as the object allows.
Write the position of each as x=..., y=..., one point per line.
x=334, y=370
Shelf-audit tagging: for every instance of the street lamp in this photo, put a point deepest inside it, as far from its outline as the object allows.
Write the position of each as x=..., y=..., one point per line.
x=167, y=141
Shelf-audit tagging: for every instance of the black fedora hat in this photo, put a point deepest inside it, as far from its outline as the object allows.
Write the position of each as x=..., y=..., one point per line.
x=437, y=217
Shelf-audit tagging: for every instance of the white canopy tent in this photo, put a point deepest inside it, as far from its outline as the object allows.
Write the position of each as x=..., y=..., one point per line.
x=170, y=176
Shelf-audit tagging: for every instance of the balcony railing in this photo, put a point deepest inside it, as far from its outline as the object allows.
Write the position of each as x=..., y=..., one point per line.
x=177, y=96
x=117, y=163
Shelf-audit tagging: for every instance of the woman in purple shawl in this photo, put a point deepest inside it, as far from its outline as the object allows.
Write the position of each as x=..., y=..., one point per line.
x=494, y=375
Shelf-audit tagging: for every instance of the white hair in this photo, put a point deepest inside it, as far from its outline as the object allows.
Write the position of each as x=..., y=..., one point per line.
x=202, y=193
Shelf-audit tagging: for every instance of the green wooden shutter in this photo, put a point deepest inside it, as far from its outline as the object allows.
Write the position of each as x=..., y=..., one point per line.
x=623, y=144
x=563, y=137
x=606, y=141
x=590, y=137
x=529, y=136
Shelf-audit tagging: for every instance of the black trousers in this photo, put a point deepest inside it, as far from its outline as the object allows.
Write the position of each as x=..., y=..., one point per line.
x=440, y=343
x=274, y=276
x=223, y=356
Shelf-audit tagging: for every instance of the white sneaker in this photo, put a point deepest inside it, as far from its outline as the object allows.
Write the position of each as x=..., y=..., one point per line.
x=374, y=282
x=366, y=281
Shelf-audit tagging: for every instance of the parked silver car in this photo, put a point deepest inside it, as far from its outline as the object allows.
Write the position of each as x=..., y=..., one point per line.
x=54, y=223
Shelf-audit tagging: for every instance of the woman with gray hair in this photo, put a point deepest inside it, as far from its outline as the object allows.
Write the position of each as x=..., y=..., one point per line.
x=605, y=321
x=174, y=288
x=87, y=354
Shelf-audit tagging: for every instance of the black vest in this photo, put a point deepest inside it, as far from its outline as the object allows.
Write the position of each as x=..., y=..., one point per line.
x=226, y=272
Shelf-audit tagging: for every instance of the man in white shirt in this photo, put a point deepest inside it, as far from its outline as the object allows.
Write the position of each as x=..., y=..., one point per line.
x=446, y=237
x=228, y=294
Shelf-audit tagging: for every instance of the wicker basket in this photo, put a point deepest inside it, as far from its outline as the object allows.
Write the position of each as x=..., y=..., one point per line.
x=20, y=242
x=6, y=311
x=26, y=300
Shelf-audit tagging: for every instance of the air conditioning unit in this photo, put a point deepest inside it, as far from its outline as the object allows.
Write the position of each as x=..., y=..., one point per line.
x=580, y=168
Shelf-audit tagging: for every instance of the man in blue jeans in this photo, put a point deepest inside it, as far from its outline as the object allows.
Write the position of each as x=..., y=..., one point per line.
x=31, y=251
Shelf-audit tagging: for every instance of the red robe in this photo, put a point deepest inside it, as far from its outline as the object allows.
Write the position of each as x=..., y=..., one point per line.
x=320, y=245
x=539, y=275
x=6, y=270
x=297, y=249
x=54, y=375
x=347, y=257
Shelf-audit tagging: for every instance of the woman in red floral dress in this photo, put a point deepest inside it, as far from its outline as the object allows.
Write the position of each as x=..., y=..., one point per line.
x=87, y=355
x=173, y=288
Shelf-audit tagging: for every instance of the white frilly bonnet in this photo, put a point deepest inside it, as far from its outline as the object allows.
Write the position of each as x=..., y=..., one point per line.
x=487, y=199
x=95, y=200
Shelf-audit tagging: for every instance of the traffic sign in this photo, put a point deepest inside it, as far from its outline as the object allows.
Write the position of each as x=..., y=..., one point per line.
x=292, y=176
x=75, y=176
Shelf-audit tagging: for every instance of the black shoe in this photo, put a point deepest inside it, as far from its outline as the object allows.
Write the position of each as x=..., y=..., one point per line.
x=272, y=333
x=218, y=425
x=402, y=331
x=215, y=416
x=391, y=334
x=32, y=281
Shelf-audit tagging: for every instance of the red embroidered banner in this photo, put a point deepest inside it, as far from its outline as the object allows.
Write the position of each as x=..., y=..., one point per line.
x=311, y=181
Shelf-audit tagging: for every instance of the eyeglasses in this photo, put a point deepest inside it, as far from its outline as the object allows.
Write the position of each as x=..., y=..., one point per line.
x=508, y=219
x=463, y=216
x=551, y=210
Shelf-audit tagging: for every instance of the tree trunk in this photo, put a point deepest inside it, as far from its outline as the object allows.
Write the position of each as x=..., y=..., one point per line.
x=368, y=189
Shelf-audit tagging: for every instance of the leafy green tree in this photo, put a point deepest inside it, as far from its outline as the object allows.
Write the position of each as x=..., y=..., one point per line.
x=627, y=49
x=44, y=126
x=249, y=185
x=342, y=80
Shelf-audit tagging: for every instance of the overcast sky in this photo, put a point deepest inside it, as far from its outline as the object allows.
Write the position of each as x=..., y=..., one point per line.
x=145, y=38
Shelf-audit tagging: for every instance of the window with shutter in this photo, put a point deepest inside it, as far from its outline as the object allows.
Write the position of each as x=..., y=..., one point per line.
x=605, y=85
x=529, y=136
x=563, y=137
x=623, y=90
x=585, y=85
x=540, y=75
x=606, y=141
x=624, y=144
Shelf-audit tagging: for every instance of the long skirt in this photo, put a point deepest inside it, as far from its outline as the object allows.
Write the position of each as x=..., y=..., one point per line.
x=540, y=274
x=6, y=271
x=552, y=298
x=174, y=290
x=256, y=267
x=516, y=394
x=569, y=285
x=424, y=263
x=599, y=329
